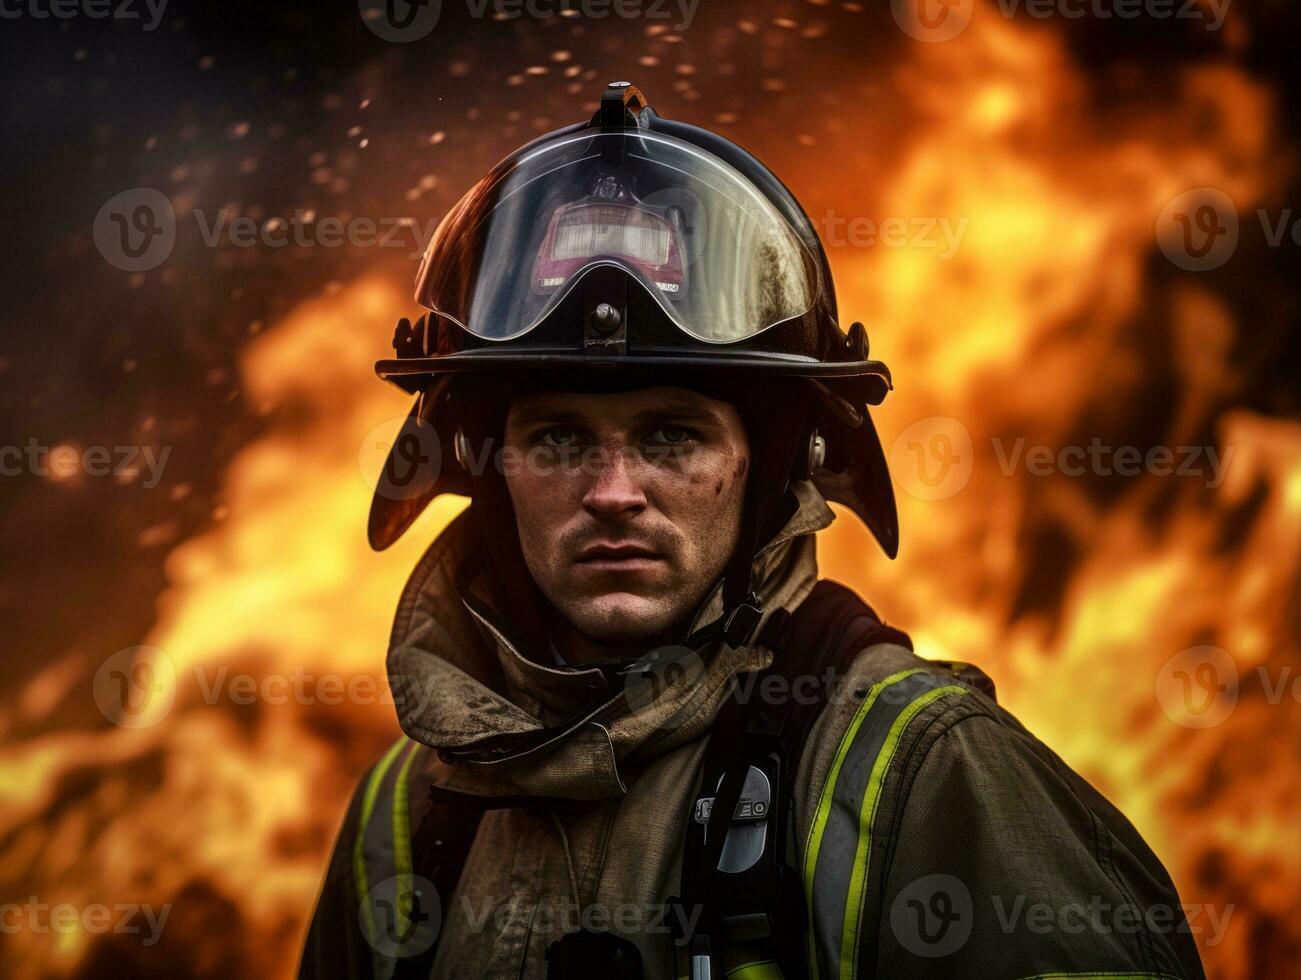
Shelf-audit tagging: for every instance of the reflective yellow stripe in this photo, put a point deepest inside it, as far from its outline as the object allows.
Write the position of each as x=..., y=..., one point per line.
x=820, y=815
x=402, y=839
x=829, y=785
x=872, y=796
x=835, y=884
x=367, y=808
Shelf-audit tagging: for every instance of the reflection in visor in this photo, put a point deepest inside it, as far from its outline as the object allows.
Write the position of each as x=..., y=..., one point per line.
x=582, y=232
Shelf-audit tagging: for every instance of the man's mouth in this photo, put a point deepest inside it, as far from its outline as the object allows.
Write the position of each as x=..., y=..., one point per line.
x=618, y=558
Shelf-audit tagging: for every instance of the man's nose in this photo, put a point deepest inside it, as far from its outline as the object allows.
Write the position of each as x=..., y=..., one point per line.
x=616, y=485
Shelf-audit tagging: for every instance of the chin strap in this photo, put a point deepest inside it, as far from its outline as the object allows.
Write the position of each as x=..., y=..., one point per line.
x=742, y=608
x=736, y=626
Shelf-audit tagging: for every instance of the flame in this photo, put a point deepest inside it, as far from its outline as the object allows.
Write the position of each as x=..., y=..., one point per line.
x=1028, y=333
x=242, y=799
x=1030, y=330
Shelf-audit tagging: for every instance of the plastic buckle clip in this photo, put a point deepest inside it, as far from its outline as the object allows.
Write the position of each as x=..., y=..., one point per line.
x=740, y=625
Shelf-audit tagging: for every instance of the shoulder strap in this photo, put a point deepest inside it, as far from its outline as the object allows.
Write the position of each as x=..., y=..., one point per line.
x=827, y=631
x=754, y=747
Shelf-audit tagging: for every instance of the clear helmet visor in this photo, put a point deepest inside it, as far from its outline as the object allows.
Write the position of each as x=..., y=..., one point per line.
x=710, y=248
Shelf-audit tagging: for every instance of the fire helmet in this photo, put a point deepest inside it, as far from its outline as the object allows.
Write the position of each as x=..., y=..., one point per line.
x=632, y=246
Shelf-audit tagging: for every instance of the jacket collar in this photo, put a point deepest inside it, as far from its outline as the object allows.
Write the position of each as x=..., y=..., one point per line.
x=520, y=727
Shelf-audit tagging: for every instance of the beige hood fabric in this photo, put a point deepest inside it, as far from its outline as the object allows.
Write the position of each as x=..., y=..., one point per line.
x=613, y=789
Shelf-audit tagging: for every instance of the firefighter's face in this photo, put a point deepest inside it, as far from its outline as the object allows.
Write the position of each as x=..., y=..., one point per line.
x=628, y=503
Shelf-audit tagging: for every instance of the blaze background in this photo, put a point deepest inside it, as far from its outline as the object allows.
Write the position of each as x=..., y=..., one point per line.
x=1058, y=320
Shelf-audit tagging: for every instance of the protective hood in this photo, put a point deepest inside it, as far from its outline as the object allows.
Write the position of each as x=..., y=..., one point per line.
x=463, y=686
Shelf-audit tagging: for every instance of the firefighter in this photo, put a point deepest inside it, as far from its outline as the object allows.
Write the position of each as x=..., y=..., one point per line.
x=641, y=739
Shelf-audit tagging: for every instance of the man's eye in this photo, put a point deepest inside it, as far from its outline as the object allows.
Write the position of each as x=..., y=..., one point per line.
x=559, y=438
x=672, y=435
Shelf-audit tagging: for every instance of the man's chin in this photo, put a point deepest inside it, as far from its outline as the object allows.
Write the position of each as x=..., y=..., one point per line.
x=621, y=618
